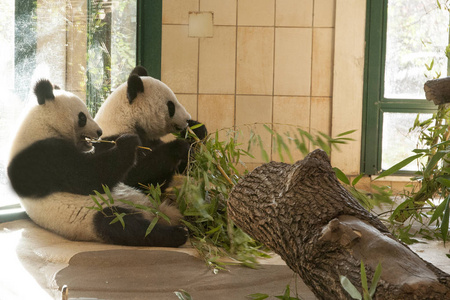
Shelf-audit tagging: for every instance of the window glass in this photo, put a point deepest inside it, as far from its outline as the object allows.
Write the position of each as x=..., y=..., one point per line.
x=416, y=36
x=398, y=142
x=85, y=46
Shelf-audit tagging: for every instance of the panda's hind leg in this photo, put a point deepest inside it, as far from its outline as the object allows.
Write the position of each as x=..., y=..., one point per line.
x=133, y=234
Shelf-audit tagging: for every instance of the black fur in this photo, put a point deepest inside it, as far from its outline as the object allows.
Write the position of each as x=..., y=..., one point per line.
x=56, y=165
x=44, y=91
x=82, y=119
x=140, y=71
x=171, y=108
x=134, y=232
x=134, y=87
x=153, y=167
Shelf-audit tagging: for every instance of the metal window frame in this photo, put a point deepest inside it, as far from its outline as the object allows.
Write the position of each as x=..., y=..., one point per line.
x=148, y=36
x=374, y=101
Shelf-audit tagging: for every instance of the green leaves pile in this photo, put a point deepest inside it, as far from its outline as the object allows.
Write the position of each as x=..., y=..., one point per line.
x=433, y=158
x=214, y=168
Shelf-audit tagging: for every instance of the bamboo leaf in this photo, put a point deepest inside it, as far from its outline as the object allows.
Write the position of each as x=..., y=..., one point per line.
x=364, y=277
x=350, y=288
x=375, y=279
x=398, y=166
x=96, y=202
x=444, y=181
x=341, y=176
x=433, y=162
x=445, y=221
x=196, y=126
x=151, y=226
x=357, y=179
x=119, y=217
x=108, y=193
x=258, y=296
x=439, y=210
x=346, y=133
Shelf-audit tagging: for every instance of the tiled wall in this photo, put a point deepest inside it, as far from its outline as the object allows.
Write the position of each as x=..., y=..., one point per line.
x=268, y=61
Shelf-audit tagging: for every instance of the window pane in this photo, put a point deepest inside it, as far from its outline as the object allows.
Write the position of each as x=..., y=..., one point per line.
x=53, y=39
x=417, y=33
x=398, y=142
x=111, y=47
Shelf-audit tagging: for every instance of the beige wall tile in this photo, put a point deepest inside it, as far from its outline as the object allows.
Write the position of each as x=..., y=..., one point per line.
x=324, y=13
x=224, y=10
x=322, y=61
x=217, y=62
x=348, y=82
x=179, y=59
x=293, y=61
x=289, y=114
x=177, y=11
x=297, y=13
x=189, y=101
x=251, y=110
x=217, y=113
x=321, y=114
x=256, y=12
x=254, y=68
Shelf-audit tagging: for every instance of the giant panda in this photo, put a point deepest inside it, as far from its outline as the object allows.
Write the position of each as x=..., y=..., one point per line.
x=54, y=169
x=148, y=108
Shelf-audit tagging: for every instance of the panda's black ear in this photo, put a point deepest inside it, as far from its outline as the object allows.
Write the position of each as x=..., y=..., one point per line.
x=44, y=91
x=140, y=71
x=135, y=86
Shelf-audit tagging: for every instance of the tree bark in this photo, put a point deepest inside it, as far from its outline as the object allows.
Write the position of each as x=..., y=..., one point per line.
x=438, y=90
x=306, y=216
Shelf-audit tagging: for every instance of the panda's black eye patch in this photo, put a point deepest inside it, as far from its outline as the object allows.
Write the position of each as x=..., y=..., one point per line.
x=171, y=107
x=82, y=119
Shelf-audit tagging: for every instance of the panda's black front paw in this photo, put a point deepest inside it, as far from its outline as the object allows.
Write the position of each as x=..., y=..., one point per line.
x=180, y=235
x=128, y=141
x=127, y=145
x=199, y=130
x=179, y=149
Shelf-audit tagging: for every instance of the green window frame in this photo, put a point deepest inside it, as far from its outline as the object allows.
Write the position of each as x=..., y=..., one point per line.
x=375, y=104
x=148, y=36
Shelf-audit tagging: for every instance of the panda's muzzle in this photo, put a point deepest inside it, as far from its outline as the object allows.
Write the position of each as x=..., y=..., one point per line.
x=85, y=143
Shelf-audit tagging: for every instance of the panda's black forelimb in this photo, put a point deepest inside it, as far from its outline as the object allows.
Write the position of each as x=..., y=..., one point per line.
x=133, y=234
x=159, y=165
x=56, y=165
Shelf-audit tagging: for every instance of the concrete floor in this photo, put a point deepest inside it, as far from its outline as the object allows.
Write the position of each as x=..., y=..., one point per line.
x=35, y=264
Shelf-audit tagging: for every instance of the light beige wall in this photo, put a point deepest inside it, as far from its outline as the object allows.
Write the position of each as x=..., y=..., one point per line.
x=268, y=61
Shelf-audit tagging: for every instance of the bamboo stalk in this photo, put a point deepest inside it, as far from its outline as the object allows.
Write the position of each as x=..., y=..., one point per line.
x=113, y=142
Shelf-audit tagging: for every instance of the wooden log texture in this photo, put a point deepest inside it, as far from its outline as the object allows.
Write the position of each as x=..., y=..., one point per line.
x=438, y=90
x=319, y=229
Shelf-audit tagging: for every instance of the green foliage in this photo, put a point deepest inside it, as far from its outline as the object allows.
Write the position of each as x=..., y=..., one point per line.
x=214, y=168
x=154, y=201
x=367, y=293
x=434, y=174
x=183, y=295
x=381, y=195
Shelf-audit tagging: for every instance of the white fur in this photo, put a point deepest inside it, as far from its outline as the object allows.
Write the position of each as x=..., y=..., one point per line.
x=148, y=110
x=54, y=118
x=68, y=215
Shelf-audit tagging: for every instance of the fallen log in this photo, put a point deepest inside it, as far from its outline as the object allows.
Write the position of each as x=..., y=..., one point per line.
x=305, y=215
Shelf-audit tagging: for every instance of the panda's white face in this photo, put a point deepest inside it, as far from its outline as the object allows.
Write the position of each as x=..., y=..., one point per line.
x=82, y=128
x=60, y=114
x=164, y=113
x=144, y=103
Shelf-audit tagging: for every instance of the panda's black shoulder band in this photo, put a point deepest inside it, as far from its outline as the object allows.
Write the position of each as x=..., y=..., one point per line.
x=135, y=86
x=44, y=91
